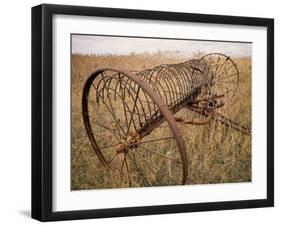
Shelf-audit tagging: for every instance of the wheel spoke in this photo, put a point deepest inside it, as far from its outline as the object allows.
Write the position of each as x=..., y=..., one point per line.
x=231, y=75
x=105, y=138
x=156, y=168
x=111, y=160
x=221, y=65
x=103, y=126
x=226, y=82
x=138, y=169
x=127, y=170
x=117, y=121
x=109, y=146
x=122, y=165
x=164, y=156
x=148, y=141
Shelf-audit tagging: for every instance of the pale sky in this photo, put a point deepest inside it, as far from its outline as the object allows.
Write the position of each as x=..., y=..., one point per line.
x=100, y=45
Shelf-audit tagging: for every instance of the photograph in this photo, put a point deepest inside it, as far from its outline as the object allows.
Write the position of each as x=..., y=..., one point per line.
x=145, y=112
x=149, y=111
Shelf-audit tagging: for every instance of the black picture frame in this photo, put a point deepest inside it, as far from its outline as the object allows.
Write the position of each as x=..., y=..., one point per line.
x=42, y=111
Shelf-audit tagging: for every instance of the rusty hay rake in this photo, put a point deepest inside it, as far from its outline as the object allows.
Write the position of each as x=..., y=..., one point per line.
x=130, y=116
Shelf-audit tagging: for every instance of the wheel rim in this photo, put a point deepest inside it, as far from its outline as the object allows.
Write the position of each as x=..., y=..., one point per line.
x=114, y=109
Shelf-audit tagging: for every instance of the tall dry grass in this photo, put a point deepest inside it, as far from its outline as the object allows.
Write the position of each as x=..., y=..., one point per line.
x=216, y=154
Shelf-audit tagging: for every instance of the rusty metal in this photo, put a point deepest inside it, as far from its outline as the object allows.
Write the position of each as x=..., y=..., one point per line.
x=132, y=106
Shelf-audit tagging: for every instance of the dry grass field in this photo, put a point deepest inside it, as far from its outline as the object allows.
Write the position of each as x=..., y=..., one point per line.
x=216, y=153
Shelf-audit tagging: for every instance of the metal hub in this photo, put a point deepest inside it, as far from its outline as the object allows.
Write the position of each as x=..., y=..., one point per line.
x=131, y=141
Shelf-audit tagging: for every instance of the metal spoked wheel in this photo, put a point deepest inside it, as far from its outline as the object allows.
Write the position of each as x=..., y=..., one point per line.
x=223, y=72
x=132, y=132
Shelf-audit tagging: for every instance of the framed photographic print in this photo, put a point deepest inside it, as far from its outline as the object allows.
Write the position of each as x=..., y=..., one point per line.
x=146, y=112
